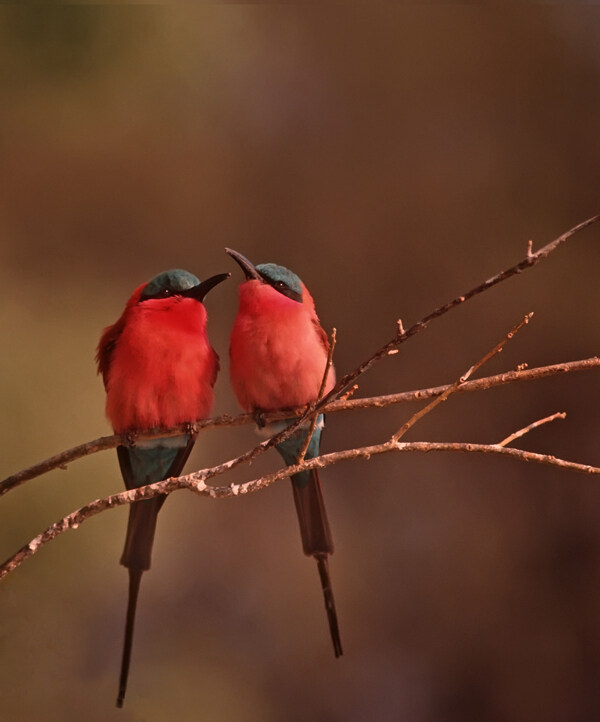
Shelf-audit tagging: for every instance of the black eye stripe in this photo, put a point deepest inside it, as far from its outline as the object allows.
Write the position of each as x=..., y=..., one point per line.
x=282, y=287
x=163, y=293
x=285, y=290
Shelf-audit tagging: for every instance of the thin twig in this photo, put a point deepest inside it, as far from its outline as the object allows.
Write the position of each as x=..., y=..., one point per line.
x=534, y=425
x=196, y=482
x=460, y=381
x=60, y=461
x=530, y=260
x=313, y=423
x=347, y=394
x=483, y=384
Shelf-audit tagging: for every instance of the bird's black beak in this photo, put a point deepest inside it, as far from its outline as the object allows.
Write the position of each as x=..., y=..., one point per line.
x=199, y=291
x=249, y=270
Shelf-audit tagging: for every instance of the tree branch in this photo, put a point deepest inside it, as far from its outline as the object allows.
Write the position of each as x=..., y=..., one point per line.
x=60, y=461
x=196, y=482
x=461, y=380
x=530, y=427
x=489, y=382
x=530, y=260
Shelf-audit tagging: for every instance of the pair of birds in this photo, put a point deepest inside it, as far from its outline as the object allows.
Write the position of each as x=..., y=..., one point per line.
x=159, y=371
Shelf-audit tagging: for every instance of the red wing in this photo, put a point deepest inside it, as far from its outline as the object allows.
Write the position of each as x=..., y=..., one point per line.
x=110, y=337
x=216, y=367
x=106, y=346
x=321, y=334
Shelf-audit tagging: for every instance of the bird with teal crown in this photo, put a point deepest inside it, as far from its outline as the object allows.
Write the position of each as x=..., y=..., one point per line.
x=278, y=356
x=159, y=370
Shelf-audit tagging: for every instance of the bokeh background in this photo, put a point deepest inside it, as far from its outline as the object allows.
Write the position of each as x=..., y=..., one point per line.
x=393, y=157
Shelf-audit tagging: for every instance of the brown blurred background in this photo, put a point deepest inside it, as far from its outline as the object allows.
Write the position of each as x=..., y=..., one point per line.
x=393, y=158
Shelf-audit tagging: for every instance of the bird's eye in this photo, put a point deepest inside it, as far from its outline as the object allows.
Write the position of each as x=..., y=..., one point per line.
x=280, y=284
x=163, y=293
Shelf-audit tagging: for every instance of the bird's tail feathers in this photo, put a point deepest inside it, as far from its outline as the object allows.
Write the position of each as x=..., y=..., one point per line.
x=316, y=540
x=323, y=568
x=141, y=527
x=310, y=507
x=135, y=577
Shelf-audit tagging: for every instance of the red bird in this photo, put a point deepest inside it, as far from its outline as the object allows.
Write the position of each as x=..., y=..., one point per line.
x=278, y=353
x=159, y=371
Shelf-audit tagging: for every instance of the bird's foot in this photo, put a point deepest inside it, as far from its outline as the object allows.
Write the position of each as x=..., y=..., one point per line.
x=259, y=418
x=190, y=428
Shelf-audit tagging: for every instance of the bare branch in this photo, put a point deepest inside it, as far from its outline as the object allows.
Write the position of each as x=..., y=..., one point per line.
x=77, y=517
x=60, y=461
x=196, y=482
x=489, y=382
x=460, y=381
x=346, y=395
x=366, y=452
x=530, y=260
x=534, y=425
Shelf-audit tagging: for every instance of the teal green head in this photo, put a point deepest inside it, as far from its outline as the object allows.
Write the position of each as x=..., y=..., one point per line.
x=178, y=282
x=280, y=278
